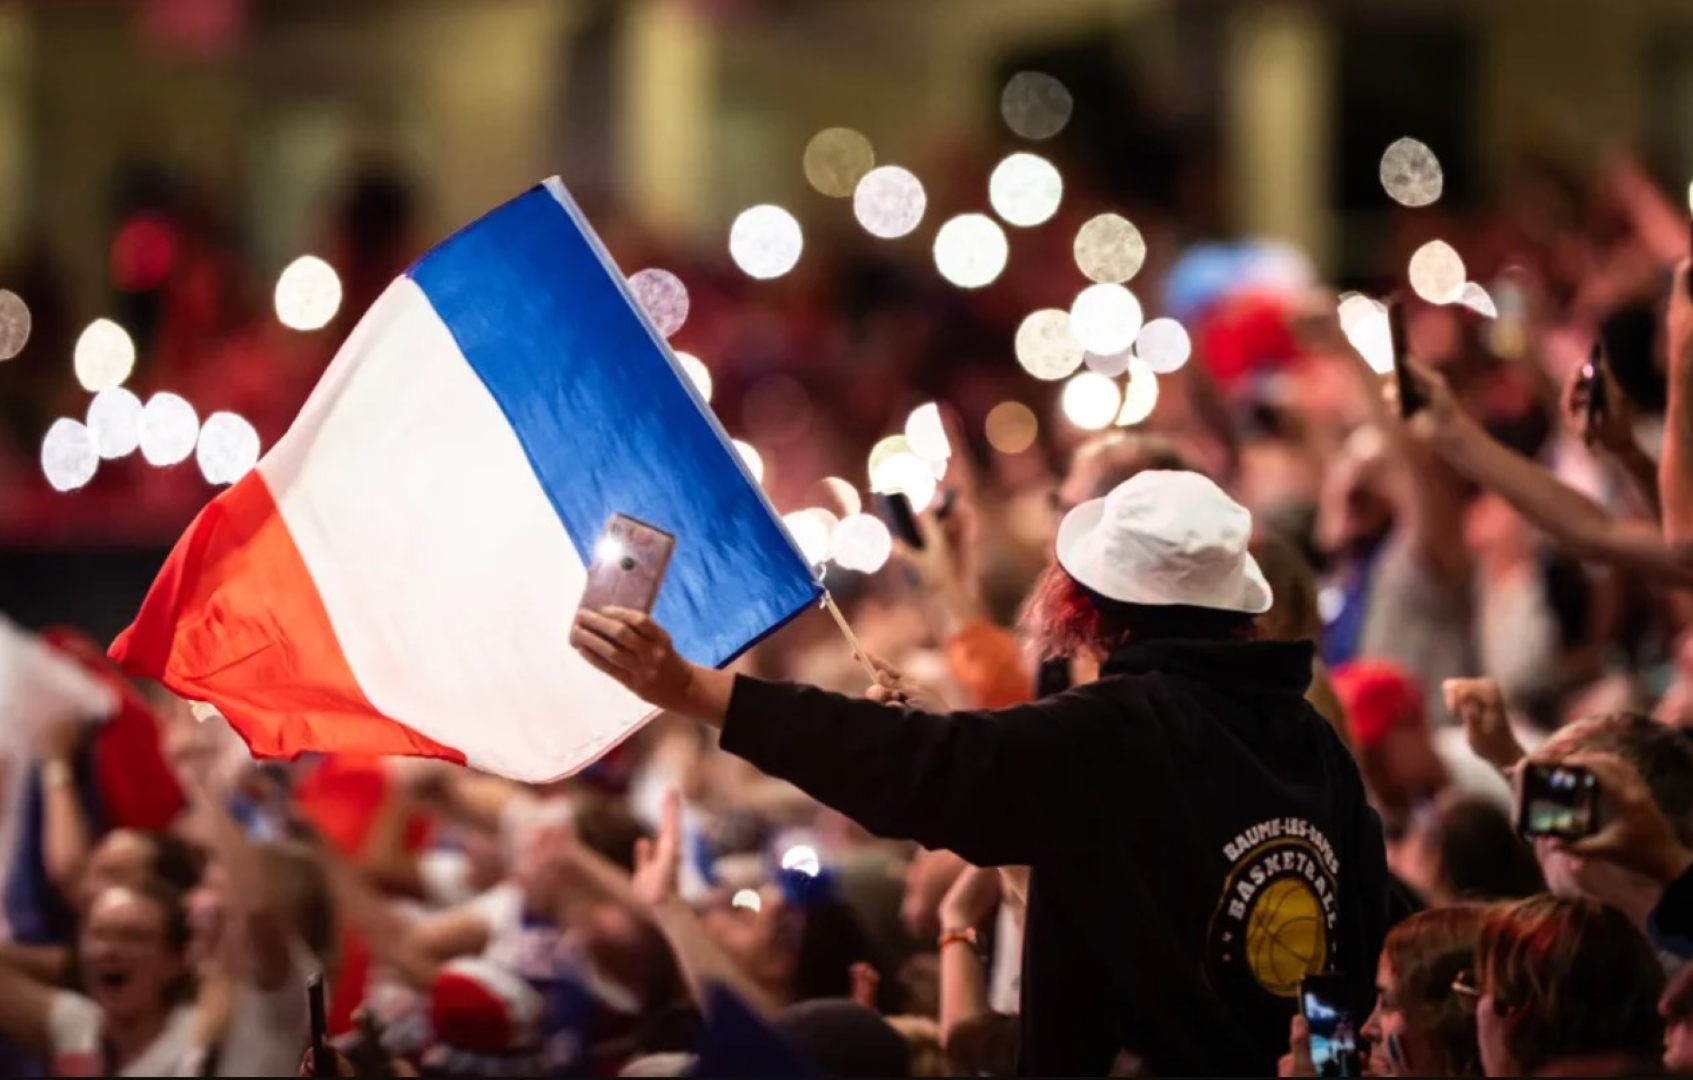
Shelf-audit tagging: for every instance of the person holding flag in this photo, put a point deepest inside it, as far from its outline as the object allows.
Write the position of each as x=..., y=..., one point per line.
x=1199, y=836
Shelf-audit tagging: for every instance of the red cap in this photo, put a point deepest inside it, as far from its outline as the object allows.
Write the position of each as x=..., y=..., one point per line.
x=481, y=1008
x=1378, y=696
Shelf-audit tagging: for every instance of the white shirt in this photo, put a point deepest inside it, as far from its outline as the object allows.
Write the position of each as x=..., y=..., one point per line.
x=268, y=1031
x=74, y=1024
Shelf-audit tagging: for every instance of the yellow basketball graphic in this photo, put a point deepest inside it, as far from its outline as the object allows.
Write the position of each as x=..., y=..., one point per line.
x=1285, y=936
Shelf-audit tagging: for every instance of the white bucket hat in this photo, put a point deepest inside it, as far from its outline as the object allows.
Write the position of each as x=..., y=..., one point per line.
x=1165, y=538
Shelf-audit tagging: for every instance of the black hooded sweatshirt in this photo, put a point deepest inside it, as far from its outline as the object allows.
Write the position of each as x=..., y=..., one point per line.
x=1198, y=837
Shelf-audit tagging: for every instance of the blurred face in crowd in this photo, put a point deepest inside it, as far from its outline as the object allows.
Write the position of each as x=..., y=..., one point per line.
x=129, y=963
x=1397, y=1047
x=754, y=940
x=1353, y=512
x=122, y=859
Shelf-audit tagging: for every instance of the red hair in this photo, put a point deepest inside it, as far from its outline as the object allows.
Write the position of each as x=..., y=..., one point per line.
x=1066, y=618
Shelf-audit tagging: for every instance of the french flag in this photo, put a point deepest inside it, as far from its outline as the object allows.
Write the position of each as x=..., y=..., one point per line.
x=399, y=573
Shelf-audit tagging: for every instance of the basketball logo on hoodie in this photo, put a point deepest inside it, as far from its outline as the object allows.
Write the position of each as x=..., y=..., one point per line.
x=1275, y=921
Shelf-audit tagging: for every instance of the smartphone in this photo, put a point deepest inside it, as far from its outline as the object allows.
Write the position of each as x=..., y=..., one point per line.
x=894, y=508
x=630, y=559
x=1334, y=1030
x=1593, y=385
x=322, y=1063
x=1411, y=399
x=1557, y=800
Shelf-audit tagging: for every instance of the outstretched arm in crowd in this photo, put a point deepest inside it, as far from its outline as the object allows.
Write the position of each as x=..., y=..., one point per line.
x=1426, y=494
x=652, y=893
x=983, y=784
x=1675, y=470
x=1580, y=525
x=66, y=838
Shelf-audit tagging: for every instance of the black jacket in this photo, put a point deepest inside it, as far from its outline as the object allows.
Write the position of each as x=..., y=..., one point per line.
x=1198, y=836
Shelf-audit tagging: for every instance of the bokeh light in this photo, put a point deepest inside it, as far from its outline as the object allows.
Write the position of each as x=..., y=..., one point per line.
x=926, y=434
x=862, y=544
x=1411, y=175
x=69, y=455
x=1035, y=105
x=104, y=356
x=114, y=416
x=662, y=296
x=1045, y=346
x=15, y=324
x=845, y=495
x=971, y=251
x=889, y=202
x=1105, y=319
x=813, y=531
x=1112, y=366
x=802, y=859
x=751, y=457
x=836, y=159
x=698, y=374
x=747, y=900
x=1164, y=345
x=1025, y=190
x=908, y=475
x=1091, y=401
x=1140, y=396
x=1478, y=300
x=1364, y=321
x=885, y=448
x=227, y=449
x=765, y=242
x=1011, y=427
x=1437, y=272
x=308, y=294
x=143, y=253
x=1109, y=249
x=169, y=429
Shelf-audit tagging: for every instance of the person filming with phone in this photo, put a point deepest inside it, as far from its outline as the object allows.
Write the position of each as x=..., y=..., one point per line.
x=1199, y=836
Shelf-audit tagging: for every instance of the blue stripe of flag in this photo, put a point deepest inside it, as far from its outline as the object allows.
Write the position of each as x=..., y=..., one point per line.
x=610, y=422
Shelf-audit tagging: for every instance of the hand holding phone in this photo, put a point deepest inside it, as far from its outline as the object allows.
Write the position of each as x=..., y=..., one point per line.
x=894, y=508
x=1411, y=397
x=1334, y=1030
x=1560, y=801
x=630, y=560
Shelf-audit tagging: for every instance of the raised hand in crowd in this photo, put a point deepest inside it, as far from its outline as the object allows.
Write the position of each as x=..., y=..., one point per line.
x=1480, y=705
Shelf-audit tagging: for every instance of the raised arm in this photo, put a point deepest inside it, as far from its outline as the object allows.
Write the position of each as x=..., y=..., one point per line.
x=1580, y=525
x=981, y=784
x=1675, y=469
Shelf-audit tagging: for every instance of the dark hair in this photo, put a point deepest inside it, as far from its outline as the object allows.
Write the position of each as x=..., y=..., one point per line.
x=1573, y=977
x=177, y=863
x=1481, y=855
x=1662, y=755
x=1065, y=618
x=608, y=828
x=1426, y=952
x=830, y=941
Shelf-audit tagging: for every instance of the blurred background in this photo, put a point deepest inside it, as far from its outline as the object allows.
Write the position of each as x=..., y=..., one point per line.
x=199, y=197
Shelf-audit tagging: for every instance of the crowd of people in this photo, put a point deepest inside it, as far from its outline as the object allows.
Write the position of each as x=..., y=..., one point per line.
x=1221, y=733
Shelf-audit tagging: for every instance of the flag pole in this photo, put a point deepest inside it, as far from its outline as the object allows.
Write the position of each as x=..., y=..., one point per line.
x=851, y=638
